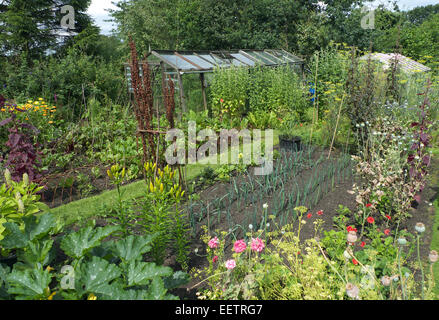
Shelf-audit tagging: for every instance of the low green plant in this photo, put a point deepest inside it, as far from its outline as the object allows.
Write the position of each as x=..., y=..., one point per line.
x=94, y=269
x=19, y=200
x=161, y=214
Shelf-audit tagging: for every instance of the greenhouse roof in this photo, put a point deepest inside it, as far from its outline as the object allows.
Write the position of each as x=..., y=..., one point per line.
x=405, y=63
x=207, y=61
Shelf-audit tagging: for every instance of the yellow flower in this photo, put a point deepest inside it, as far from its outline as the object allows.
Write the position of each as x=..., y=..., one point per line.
x=91, y=296
x=51, y=296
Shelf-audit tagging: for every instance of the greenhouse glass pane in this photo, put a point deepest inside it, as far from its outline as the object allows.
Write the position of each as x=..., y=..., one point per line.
x=258, y=57
x=200, y=62
x=271, y=57
x=243, y=59
x=179, y=62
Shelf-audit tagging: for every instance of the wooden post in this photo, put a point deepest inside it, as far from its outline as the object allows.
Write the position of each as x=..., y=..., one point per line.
x=203, y=90
x=182, y=97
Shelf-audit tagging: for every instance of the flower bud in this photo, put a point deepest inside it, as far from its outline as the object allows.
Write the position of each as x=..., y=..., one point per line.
x=352, y=236
x=386, y=281
x=20, y=206
x=420, y=227
x=402, y=241
x=348, y=253
x=352, y=291
x=26, y=179
x=8, y=177
x=433, y=256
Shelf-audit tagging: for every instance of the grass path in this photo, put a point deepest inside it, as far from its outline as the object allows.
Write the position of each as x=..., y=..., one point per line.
x=94, y=206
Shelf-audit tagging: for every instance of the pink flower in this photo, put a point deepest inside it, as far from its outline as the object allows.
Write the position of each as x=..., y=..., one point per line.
x=213, y=243
x=257, y=245
x=239, y=246
x=387, y=232
x=230, y=264
x=215, y=259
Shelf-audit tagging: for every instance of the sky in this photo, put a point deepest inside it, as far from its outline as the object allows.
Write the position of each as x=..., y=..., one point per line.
x=98, y=13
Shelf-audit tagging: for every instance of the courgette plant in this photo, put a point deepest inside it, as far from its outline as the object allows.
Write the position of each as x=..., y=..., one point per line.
x=96, y=269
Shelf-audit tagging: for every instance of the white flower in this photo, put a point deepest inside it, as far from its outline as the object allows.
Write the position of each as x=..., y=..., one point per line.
x=265, y=205
x=250, y=226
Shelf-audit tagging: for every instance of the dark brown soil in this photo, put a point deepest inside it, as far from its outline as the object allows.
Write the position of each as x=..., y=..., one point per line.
x=328, y=203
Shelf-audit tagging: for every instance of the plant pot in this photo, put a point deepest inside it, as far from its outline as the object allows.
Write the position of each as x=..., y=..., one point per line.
x=290, y=144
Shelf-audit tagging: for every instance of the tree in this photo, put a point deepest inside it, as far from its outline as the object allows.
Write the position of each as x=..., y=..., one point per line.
x=30, y=28
x=228, y=24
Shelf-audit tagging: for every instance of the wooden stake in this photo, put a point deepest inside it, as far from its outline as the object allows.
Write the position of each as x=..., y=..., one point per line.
x=336, y=126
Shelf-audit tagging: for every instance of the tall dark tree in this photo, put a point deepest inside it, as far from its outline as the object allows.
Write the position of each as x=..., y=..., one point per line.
x=227, y=24
x=30, y=28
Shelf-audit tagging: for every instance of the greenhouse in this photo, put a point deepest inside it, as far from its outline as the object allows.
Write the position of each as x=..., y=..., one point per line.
x=177, y=63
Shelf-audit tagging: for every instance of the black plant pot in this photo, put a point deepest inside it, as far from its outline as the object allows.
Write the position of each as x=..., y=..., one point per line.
x=290, y=144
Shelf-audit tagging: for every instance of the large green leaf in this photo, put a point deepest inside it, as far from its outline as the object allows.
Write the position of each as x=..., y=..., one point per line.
x=176, y=280
x=37, y=253
x=29, y=284
x=157, y=290
x=133, y=247
x=97, y=274
x=15, y=238
x=139, y=273
x=35, y=229
x=77, y=244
